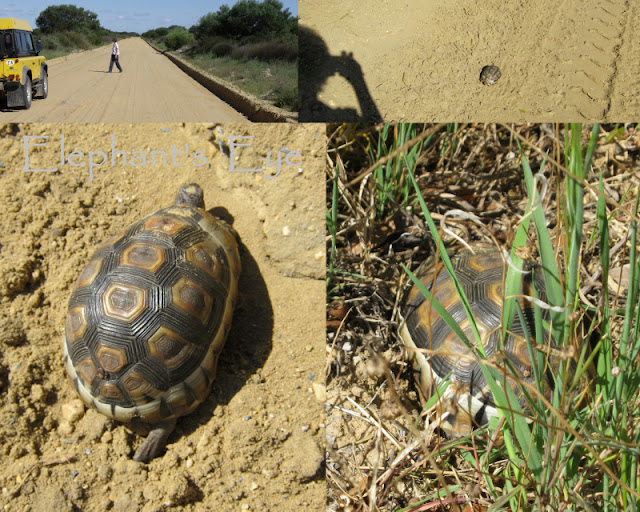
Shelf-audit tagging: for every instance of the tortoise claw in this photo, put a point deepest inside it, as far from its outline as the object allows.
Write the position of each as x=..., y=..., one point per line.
x=155, y=442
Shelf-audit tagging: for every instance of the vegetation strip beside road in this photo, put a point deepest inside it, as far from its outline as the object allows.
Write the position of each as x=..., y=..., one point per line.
x=252, y=107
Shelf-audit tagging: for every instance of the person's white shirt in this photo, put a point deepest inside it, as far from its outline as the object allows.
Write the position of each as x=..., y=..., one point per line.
x=115, y=50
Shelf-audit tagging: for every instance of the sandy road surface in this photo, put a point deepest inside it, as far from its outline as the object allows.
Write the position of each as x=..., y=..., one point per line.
x=151, y=89
x=566, y=60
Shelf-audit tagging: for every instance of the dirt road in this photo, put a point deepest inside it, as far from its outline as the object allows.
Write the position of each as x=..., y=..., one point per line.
x=150, y=89
x=567, y=60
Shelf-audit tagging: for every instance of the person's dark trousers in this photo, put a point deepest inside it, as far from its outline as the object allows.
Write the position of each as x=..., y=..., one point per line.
x=115, y=59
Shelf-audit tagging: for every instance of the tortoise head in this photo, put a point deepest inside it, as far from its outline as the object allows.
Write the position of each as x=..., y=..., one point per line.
x=190, y=195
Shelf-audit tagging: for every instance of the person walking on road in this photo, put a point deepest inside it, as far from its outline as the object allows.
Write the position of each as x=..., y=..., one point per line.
x=115, y=55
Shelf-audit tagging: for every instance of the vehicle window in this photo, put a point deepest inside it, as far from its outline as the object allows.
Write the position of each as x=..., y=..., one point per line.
x=16, y=42
x=20, y=43
x=29, y=41
x=7, y=43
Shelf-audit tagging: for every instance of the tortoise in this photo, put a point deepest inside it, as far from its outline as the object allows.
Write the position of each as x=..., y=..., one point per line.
x=468, y=398
x=149, y=315
x=490, y=75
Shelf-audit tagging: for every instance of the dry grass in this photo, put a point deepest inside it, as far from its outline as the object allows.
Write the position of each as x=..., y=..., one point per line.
x=381, y=456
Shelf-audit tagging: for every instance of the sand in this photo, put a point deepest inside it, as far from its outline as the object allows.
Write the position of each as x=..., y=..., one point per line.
x=420, y=60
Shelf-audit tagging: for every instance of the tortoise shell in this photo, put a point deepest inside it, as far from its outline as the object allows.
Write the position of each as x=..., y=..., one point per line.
x=490, y=75
x=468, y=399
x=149, y=315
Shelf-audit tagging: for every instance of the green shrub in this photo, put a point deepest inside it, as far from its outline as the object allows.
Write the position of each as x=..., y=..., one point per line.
x=49, y=42
x=95, y=39
x=266, y=51
x=248, y=18
x=59, y=18
x=223, y=49
x=179, y=37
x=74, y=41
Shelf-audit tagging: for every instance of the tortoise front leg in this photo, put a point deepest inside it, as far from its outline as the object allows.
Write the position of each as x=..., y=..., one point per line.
x=155, y=441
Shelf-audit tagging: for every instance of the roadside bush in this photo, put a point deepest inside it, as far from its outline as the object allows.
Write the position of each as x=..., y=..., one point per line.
x=156, y=33
x=95, y=39
x=266, y=51
x=74, y=40
x=179, y=37
x=49, y=42
x=223, y=49
x=207, y=43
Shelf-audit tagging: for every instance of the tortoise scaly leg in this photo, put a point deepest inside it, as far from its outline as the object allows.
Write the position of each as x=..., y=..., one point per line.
x=155, y=441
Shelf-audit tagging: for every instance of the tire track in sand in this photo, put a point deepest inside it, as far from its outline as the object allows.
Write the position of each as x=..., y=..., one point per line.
x=625, y=97
x=571, y=61
x=588, y=51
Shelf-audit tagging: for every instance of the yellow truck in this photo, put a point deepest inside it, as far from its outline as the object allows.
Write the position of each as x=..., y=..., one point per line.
x=23, y=73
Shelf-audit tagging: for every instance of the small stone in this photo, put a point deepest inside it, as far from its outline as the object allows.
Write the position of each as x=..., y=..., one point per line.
x=76, y=493
x=286, y=231
x=18, y=451
x=151, y=491
x=123, y=504
x=105, y=473
x=270, y=473
x=65, y=429
x=73, y=411
x=127, y=467
x=92, y=425
x=11, y=332
x=38, y=393
x=320, y=391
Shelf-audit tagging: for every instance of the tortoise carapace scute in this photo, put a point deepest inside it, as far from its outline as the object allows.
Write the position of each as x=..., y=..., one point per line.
x=149, y=315
x=468, y=398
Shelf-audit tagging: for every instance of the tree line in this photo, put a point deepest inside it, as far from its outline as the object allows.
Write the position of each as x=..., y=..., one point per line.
x=261, y=25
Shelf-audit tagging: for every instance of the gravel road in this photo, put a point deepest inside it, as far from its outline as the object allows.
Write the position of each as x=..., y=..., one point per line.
x=150, y=89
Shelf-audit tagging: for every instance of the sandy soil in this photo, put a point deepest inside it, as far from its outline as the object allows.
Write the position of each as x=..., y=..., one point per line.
x=150, y=89
x=256, y=442
x=421, y=60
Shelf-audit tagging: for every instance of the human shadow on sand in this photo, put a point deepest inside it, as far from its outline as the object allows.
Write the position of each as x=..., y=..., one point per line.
x=316, y=66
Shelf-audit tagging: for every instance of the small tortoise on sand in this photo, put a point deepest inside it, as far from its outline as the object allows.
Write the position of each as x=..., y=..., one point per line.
x=149, y=315
x=490, y=75
x=468, y=399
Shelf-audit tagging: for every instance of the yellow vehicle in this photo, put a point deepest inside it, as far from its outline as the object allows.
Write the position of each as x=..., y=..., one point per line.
x=23, y=73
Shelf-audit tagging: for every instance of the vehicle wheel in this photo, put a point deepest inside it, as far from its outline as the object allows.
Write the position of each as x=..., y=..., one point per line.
x=27, y=93
x=43, y=87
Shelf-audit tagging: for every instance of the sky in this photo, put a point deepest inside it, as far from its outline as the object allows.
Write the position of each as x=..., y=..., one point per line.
x=127, y=15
